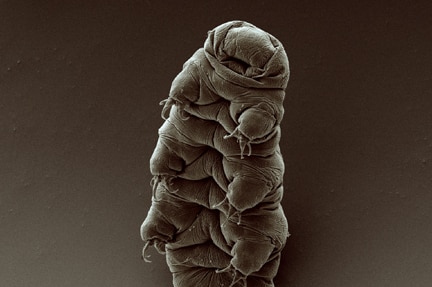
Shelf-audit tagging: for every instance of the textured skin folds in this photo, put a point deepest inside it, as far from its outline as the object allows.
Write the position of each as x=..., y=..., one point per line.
x=217, y=166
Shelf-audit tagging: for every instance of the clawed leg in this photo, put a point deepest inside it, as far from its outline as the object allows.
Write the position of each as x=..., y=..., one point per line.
x=168, y=103
x=250, y=255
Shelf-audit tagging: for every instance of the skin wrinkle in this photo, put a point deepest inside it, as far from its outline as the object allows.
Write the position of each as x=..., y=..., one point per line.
x=217, y=165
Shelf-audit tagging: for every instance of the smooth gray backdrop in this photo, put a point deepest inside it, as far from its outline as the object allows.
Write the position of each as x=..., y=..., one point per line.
x=80, y=86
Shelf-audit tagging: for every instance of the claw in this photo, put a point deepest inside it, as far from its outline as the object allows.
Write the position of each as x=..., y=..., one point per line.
x=237, y=275
x=167, y=183
x=154, y=184
x=229, y=268
x=239, y=215
x=234, y=134
x=183, y=114
x=243, y=144
x=145, y=248
x=220, y=203
x=232, y=212
x=242, y=140
x=167, y=103
x=159, y=245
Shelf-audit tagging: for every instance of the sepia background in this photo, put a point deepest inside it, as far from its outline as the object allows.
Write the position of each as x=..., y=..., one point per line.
x=80, y=86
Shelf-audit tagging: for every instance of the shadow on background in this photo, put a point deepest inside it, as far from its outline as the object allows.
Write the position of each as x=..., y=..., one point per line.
x=80, y=84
